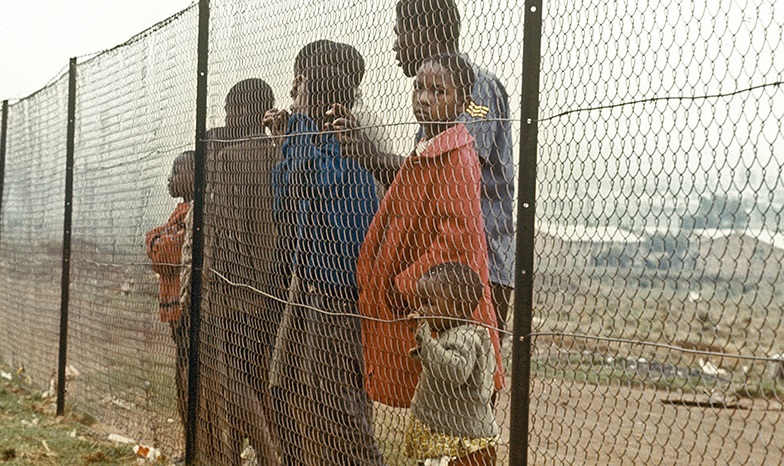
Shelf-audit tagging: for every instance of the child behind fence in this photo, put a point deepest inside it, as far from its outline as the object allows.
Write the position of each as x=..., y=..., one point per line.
x=430, y=215
x=323, y=204
x=164, y=248
x=452, y=420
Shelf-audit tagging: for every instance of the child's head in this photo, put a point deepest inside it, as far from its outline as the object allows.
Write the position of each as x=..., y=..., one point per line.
x=449, y=293
x=442, y=90
x=181, y=176
x=246, y=103
x=326, y=73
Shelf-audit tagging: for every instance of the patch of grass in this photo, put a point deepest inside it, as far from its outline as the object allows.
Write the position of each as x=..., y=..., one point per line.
x=714, y=313
x=592, y=369
x=652, y=305
x=84, y=419
x=97, y=457
x=766, y=389
x=30, y=434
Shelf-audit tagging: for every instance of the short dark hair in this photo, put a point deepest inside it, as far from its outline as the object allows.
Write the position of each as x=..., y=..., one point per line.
x=459, y=283
x=458, y=66
x=333, y=70
x=251, y=90
x=439, y=16
x=326, y=53
x=186, y=157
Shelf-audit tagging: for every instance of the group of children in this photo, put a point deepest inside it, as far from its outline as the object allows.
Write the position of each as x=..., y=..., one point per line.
x=428, y=327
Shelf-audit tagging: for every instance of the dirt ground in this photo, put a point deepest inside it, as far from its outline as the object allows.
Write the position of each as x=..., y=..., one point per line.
x=574, y=423
x=571, y=423
x=579, y=424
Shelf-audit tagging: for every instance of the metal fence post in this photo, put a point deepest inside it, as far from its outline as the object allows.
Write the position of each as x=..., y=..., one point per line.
x=526, y=215
x=66, y=263
x=198, y=237
x=3, y=139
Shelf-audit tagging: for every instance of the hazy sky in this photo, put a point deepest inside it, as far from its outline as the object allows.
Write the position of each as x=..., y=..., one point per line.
x=39, y=36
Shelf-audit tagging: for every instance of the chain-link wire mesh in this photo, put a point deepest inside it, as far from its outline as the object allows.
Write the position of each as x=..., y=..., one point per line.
x=32, y=231
x=658, y=316
x=134, y=115
x=293, y=304
x=331, y=234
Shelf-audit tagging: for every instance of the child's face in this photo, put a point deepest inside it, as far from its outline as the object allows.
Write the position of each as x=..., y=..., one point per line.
x=181, y=178
x=436, y=100
x=437, y=306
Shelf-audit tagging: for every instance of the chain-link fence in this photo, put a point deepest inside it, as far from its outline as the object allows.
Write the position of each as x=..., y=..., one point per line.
x=32, y=230
x=658, y=316
x=326, y=240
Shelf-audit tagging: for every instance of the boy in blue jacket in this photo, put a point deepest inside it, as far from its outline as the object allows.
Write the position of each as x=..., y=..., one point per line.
x=323, y=205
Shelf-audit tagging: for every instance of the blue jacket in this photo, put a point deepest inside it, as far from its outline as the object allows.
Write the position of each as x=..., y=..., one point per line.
x=323, y=204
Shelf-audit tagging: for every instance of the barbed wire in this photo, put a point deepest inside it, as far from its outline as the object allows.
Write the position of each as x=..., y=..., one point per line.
x=346, y=314
x=519, y=120
x=662, y=99
x=141, y=35
x=504, y=332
